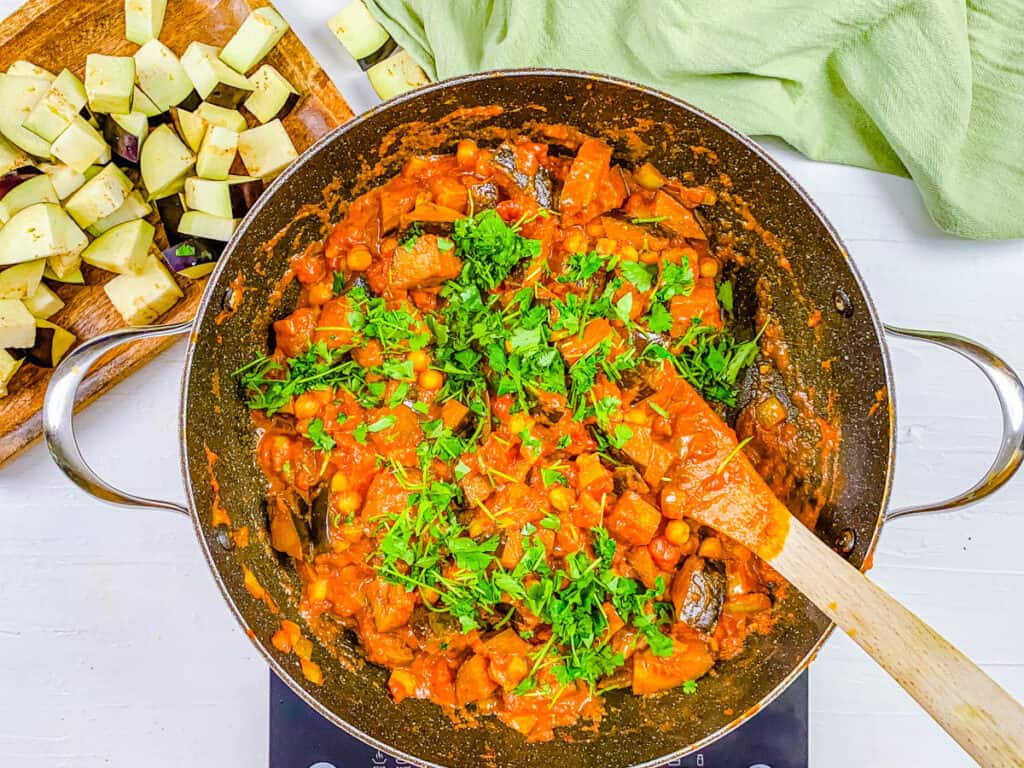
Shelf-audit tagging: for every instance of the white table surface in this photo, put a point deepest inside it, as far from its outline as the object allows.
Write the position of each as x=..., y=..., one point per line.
x=116, y=649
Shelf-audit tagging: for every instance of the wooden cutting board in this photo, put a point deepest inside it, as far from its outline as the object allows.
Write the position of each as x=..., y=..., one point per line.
x=60, y=33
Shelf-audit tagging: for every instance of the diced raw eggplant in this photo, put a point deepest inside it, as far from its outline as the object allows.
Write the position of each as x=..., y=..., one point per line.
x=71, y=277
x=64, y=264
x=64, y=99
x=214, y=80
x=165, y=161
x=171, y=209
x=161, y=75
x=18, y=96
x=21, y=280
x=22, y=68
x=124, y=249
x=217, y=153
x=43, y=302
x=65, y=180
x=231, y=119
x=17, y=325
x=52, y=343
x=259, y=33
x=79, y=146
x=38, y=232
x=199, y=224
x=143, y=19
x=133, y=207
x=9, y=366
x=11, y=158
x=38, y=189
x=193, y=258
x=361, y=34
x=208, y=196
x=266, y=150
x=273, y=96
x=99, y=197
x=245, y=191
x=109, y=83
x=396, y=74
x=190, y=126
x=92, y=172
x=125, y=135
x=142, y=103
x=16, y=176
x=142, y=298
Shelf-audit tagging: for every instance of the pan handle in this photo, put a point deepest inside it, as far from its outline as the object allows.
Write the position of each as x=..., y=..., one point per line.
x=58, y=414
x=1009, y=392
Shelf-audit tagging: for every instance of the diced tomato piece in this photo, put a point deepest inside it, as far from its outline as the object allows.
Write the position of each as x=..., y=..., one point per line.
x=678, y=218
x=295, y=332
x=633, y=520
x=333, y=327
x=690, y=659
x=585, y=175
x=424, y=265
x=472, y=682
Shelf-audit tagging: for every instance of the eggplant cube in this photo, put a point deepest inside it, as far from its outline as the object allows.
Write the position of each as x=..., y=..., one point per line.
x=361, y=34
x=245, y=191
x=273, y=96
x=43, y=303
x=142, y=103
x=21, y=280
x=17, y=325
x=19, y=96
x=11, y=158
x=161, y=75
x=65, y=180
x=259, y=33
x=39, y=232
x=142, y=298
x=9, y=366
x=217, y=153
x=52, y=343
x=143, y=19
x=190, y=126
x=199, y=224
x=231, y=119
x=208, y=196
x=100, y=196
x=396, y=74
x=22, y=68
x=38, y=189
x=109, y=82
x=79, y=146
x=214, y=80
x=60, y=104
x=133, y=207
x=266, y=150
x=192, y=258
x=164, y=161
x=124, y=249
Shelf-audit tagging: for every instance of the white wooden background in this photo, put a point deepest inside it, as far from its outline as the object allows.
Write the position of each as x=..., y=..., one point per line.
x=116, y=650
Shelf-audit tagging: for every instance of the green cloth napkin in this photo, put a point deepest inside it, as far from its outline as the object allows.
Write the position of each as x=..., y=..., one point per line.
x=926, y=88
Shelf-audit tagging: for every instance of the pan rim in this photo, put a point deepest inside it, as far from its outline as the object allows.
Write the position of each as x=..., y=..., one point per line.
x=312, y=151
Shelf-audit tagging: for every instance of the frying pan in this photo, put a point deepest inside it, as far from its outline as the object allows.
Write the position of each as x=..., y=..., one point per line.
x=806, y=271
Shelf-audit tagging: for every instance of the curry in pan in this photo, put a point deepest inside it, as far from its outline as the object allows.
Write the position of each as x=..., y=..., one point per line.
x=479, y=428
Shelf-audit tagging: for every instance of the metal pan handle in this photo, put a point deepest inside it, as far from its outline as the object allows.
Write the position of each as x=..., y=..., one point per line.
x=58, y=414
x=1009, y=391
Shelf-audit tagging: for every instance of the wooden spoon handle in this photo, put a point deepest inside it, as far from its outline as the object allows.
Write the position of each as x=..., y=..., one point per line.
x=983, y=718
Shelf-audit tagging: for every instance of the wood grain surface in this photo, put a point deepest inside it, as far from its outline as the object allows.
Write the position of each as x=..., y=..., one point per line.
x=58, y=34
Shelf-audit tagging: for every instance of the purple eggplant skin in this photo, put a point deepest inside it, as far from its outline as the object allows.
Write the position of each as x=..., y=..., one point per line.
x=389, y=47
x=41, y=352
x=170, y=210
x=244, y=196
x=227, y=96
x=164, y=118
x=203, y=251
x=288, y=106
x=125, y=147
x=11, y=179
x=698, y=593
x=190, y=102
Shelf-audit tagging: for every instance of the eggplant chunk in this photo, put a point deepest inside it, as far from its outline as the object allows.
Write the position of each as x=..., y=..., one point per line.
x=698, y=593
x=626, y=478
x=505, y=158
x=543, y=189
x=320, y=520
x=484, y=195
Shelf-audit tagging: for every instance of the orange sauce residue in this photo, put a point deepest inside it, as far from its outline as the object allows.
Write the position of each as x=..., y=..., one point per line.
x=218, y=514
x=880, y=397
x=241, y=537
x=254, y=588
x=289, y=639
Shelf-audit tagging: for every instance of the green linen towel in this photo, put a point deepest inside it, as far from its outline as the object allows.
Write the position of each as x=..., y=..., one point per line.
x=932, y=89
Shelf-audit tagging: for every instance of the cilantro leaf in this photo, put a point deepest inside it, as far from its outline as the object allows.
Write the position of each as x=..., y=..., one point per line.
x=640, y=275
x=321, y=440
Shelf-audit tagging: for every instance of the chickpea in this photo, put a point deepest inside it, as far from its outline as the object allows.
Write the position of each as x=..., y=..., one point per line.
x=650, y=257
x=359, y=258
x=664, y=553
x=708, y=268
x=677, y=532
x=420, y=360
x=605, y=245
x=320, y=293
x=466, y=154
x=519, y=421
x=431, y=380
x=636, y=416
x=629, y=253
x=561, y=498
x=595, y=229
x=339, y=482
x=348, y=502
x=575, y=242
x=318, y=590
x=711, y=548
x=306, y=406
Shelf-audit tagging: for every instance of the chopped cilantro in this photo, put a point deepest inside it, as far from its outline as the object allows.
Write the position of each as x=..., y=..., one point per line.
x=640, y=275
x=338, y=283
x=321, y=440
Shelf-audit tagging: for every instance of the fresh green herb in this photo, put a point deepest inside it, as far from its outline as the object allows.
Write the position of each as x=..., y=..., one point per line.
x=690, y=687
x=564, y=441
x=444, y=244
x=648, y=219
x=640, y=275
x=732, y=454
x=658, y=409
x=384, y=422
x=412, y=233
x=185, y=249
x=551, y=522
x=583, y=266
x=620, y=435
x=338, y=283
x=490, y=248
x=725, y=297
x=659, y=319
x=321, y=440
x=551, y=476
x=360, y=433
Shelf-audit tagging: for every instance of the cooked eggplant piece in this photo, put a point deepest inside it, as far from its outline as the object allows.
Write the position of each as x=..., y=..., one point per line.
x=245, y=191
x=161, y=76
x=214, y=80
x=483, y=195
x=142, y=298
x=626, y=478
x=38, y=189
x=539, y=185
x=217, y=153
x=125, y=134
x=124, y=249
x=171, y=209
x=38, y=232
x=21, y=280
x=64, y=99
x=362, y=35
x=99, y=197
x=143, y=20
x=266, y=150
x=164, y=161
x=19, y=96
x=289, y=532
x=698, y=593
x=396, y=75
x=262, y=29
x=193, y=257
x=543, y=189
x=320, y=521
x=80, y=145
x=273, y=96
x=109, y=83
x=51, y=344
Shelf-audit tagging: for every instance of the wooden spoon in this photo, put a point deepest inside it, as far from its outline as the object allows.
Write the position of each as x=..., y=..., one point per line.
x=722, y=490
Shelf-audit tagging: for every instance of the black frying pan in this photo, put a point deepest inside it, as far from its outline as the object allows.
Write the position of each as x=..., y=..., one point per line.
x=815, y=274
